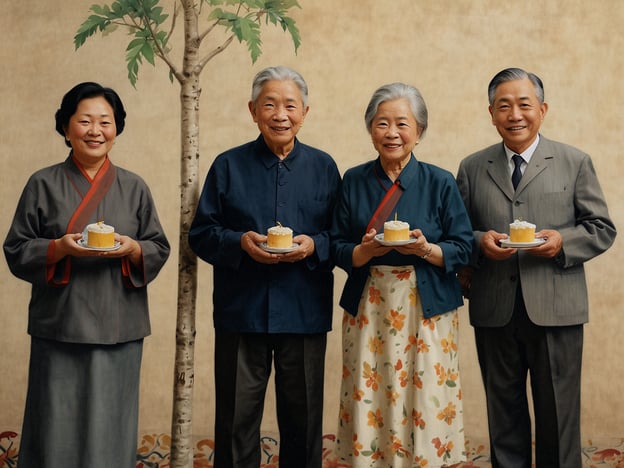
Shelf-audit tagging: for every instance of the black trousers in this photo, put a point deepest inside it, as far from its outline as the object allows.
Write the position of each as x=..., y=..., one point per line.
x=552, y=356
x=243, y=365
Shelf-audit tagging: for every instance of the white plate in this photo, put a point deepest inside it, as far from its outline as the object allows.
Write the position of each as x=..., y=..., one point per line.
x=83, y=243
x=506, y=243
x=380, y=238
x=266, y=248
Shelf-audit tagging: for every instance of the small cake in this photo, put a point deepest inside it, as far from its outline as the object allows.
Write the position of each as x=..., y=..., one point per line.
x=396, y=231
x=279, y=237
x=521, y=231
x=100, y=235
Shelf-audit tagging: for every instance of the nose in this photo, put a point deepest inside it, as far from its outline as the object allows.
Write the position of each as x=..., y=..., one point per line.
x=393, y=131
x=280, y=113
x=515, y=113
x=94, y=129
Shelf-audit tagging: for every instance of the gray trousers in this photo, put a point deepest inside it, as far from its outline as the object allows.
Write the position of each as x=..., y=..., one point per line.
x=552, y=356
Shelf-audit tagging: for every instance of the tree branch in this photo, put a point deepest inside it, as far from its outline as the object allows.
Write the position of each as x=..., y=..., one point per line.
x=174, y=19
x=202, y=63
x=162, y=53
x=207, y=31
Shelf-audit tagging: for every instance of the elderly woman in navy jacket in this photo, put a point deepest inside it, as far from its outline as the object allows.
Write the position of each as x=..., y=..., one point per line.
x=400, y=396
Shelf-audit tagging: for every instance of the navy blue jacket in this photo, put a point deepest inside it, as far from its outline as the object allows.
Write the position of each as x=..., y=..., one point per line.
x=431, y=202
x=249, y=189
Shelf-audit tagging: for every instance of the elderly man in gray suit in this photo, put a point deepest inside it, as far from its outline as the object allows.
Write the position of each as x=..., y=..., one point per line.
x=528, y=305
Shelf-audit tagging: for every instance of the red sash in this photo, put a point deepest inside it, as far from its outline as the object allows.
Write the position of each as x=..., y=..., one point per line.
x=385, y=208
x=99, y=187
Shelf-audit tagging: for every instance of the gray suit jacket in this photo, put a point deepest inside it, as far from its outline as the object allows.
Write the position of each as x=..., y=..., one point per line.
x=559, y=190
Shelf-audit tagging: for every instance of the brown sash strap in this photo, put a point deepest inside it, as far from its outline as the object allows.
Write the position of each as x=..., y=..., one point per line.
x=385, y=208
x=99, y=187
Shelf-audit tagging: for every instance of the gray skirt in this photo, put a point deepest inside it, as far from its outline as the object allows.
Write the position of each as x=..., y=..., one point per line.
x=82, y=405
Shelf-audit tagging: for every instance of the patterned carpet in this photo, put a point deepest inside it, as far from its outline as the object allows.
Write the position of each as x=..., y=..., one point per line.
x=153, y=452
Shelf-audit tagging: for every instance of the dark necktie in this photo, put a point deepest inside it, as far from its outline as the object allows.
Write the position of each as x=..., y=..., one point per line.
x=517, y=173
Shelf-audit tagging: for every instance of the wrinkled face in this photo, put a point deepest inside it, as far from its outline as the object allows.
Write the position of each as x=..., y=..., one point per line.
x=279, y=113
x=517, y=113
x=91, y=130
x=394, y=131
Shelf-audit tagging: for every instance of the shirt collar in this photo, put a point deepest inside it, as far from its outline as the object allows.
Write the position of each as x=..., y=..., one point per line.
x=407, y=173
x=269, y=158
x=527, y=154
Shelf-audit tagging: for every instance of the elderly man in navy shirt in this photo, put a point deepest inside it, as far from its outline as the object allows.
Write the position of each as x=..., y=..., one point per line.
x=269, y=308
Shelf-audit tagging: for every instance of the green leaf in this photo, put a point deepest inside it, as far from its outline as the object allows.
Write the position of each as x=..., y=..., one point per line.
x=148, y=52
x=289, y=24
x=133, y=59
x=90, y=27
x=111, y=28
x=143, y=18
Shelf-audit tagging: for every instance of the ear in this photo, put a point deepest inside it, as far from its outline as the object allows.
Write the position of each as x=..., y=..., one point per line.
x=252, y=111
x=544, y=109
x=491, y=111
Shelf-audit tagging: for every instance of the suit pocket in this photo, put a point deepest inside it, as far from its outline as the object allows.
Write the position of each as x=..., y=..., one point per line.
x=570, y=295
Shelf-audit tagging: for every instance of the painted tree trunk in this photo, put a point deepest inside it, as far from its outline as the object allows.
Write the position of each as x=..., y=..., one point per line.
x=184, y=373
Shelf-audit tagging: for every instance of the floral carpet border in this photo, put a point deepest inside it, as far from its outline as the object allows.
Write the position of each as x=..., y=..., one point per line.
x=153, y=452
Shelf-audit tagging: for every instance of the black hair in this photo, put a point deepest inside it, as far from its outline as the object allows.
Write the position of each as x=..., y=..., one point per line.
x=87, y=90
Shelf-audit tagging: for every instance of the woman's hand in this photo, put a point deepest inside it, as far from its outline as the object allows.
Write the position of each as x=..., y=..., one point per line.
x=367, y=249
x=128, y=247
x=68, y=245
x=432, y=253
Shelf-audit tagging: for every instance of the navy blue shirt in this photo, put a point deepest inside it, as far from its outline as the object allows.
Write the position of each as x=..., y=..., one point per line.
x=248, y=188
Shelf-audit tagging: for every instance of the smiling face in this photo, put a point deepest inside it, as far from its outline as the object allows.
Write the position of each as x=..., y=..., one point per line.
x=91, y=131
x=279, y=112
x=517, y=113
x=395, y=132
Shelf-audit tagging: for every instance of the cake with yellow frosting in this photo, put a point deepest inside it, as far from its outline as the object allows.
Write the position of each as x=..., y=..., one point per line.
x=521, y=231
x=279, y=237
x=100, y=235
x=396, y=231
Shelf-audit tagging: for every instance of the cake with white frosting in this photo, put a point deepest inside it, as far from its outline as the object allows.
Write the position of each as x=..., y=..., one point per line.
x=279, y=237
x=521, y=231
x=100, y=235
x=396, y=231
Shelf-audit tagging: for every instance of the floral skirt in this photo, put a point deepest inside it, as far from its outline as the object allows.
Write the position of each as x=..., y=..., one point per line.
x=400, y=399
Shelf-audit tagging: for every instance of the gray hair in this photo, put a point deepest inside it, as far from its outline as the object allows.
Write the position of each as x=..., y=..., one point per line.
x=393, y=91
x=512, y=74
x=279, y=73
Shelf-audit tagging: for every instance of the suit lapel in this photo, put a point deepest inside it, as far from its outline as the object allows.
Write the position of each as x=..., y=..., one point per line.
x=498, y=169
x=539, y=162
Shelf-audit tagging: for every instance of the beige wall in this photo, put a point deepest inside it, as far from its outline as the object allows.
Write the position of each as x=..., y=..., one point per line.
x=448, y=48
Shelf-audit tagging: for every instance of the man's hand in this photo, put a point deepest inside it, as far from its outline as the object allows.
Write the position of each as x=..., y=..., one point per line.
x=550, y=248
x=490, y=246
